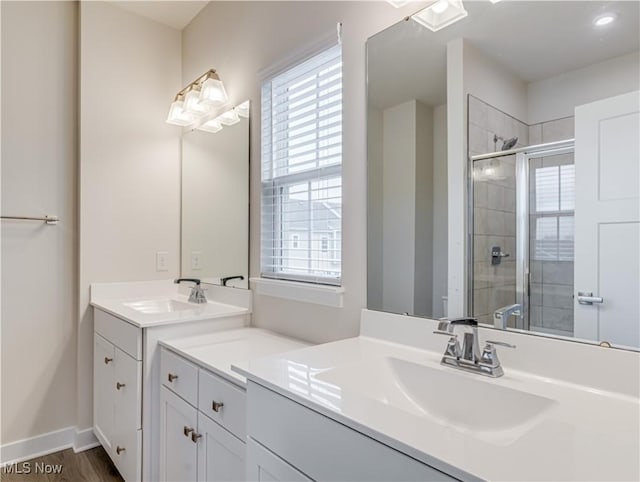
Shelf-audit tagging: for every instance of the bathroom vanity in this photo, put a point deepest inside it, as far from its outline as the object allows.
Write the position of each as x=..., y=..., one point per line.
x=130, y=319
x=382, y=407
x=203, y=403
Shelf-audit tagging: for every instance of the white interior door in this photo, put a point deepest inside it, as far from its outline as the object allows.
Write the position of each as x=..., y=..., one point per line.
x=607, y=219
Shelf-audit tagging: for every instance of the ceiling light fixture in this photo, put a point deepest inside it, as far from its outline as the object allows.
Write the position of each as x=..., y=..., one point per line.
x=198, y=100
x=440, y=14
x=605, y=19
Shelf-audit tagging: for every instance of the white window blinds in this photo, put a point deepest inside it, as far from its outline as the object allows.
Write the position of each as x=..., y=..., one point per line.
x=301, y=235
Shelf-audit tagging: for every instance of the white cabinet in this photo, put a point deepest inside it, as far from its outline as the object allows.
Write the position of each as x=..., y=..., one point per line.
x=127, y=419
x=265, y=466
x=178, y=438
x=117, y=404
x=319, y=447
x=195, y=446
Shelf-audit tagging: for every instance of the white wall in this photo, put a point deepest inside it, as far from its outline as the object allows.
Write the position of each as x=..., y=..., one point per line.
x=440, y=218
x=39, y=172
x=129, y=160
x=399, y=212
x=423, y=187
x=240, y=39
x=375, y=206
x=556, y=97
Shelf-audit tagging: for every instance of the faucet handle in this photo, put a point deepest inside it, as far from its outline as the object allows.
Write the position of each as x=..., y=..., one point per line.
x=500, y=343
x=446, y=333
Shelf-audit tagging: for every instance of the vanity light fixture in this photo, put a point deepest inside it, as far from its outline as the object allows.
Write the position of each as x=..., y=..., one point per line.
x=198, y=100
x=440, y=14
x=605, y=19
x=398, y=3
x=229, y=118
x=243, y=109
x=211, y=126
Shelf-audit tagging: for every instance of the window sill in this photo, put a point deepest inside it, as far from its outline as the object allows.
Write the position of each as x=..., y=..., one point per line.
x=305, y=292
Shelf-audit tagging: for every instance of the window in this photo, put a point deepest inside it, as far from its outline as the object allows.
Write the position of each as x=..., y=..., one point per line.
x=302, y=171
x=553, y=212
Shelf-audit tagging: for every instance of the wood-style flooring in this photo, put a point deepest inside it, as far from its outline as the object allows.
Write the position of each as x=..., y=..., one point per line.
x=91, y=465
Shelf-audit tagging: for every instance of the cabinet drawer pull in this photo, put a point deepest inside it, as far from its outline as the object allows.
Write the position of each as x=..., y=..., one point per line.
x=119, y=386
x=107, y=360
x=187, y=431
x=172, y=377
x=195, y=436
x=216, y=406
x=120, y=449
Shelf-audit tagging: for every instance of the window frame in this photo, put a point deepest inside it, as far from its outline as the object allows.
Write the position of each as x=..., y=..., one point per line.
x=273, y=190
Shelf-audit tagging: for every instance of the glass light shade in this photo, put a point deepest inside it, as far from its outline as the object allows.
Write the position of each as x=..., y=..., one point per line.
x=440, y=14
x=211, y=126
x=398, y=3
x=229, y=118
x=213, y=93
x=192, y=103
x=178, y=116
x=243, y=109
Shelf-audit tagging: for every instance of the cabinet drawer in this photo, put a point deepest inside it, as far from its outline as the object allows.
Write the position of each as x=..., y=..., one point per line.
x=124, y=335
x=179, y=376
x=231, y=414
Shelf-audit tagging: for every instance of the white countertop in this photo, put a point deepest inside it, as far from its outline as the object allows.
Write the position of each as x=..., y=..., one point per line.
x=589, y=434
x=204, y=311
x=218, y=351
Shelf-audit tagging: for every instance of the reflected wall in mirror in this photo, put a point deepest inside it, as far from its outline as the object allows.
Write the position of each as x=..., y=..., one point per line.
x=543, y=164
x=215, y=204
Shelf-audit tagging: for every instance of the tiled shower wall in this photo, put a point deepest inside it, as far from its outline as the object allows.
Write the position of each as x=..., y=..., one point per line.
x=495, y=223
x=494, y=208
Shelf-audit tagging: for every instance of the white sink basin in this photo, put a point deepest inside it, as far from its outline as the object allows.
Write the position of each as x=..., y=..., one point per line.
x=466, y=402
x=155, y=307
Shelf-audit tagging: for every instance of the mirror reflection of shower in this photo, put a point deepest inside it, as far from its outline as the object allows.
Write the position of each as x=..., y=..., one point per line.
x=521, y=221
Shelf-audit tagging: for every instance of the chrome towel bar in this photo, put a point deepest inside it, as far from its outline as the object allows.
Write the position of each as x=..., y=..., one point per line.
x=46, y=219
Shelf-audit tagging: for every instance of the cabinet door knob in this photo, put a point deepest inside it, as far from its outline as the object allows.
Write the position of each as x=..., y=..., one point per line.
x=195, y=436
x=120, y=385
x=216, y=406
x=120, y=449
x=172, y=377
x=187, y=431
x=107, y=360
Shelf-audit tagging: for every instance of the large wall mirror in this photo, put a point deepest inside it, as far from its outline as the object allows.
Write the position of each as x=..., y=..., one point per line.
x=215, y=204
x=504, y=169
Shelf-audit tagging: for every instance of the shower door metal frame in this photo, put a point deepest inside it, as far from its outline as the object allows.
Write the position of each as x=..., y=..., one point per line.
x=523, y=274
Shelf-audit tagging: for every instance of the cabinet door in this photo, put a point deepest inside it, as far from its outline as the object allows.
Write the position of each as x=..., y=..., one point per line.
x=221, y=456
x=127, y=390
x=103, y=390
x=264, y=465
x=178, y=438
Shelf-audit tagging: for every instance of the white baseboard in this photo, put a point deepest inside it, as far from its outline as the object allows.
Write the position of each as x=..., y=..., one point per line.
x=84, y=440
x=47, y=443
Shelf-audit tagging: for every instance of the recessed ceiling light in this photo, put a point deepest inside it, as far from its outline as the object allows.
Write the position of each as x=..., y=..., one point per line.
x=440, y=14
x=605, y=19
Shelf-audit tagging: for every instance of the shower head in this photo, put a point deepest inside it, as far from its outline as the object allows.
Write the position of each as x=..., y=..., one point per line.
x=506, y=143
x=509, y=143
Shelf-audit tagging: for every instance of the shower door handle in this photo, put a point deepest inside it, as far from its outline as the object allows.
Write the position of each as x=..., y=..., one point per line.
x=587, y=298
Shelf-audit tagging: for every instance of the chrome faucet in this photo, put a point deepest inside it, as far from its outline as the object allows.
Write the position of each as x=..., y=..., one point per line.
x=197, y=292
x=468, y=356
x=501, y=315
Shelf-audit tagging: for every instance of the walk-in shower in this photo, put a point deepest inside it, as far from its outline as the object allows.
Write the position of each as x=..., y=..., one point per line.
x=521, y=255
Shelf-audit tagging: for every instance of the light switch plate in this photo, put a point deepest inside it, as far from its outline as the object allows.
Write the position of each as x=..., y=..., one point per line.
x=196, y=260
x=162, y=261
